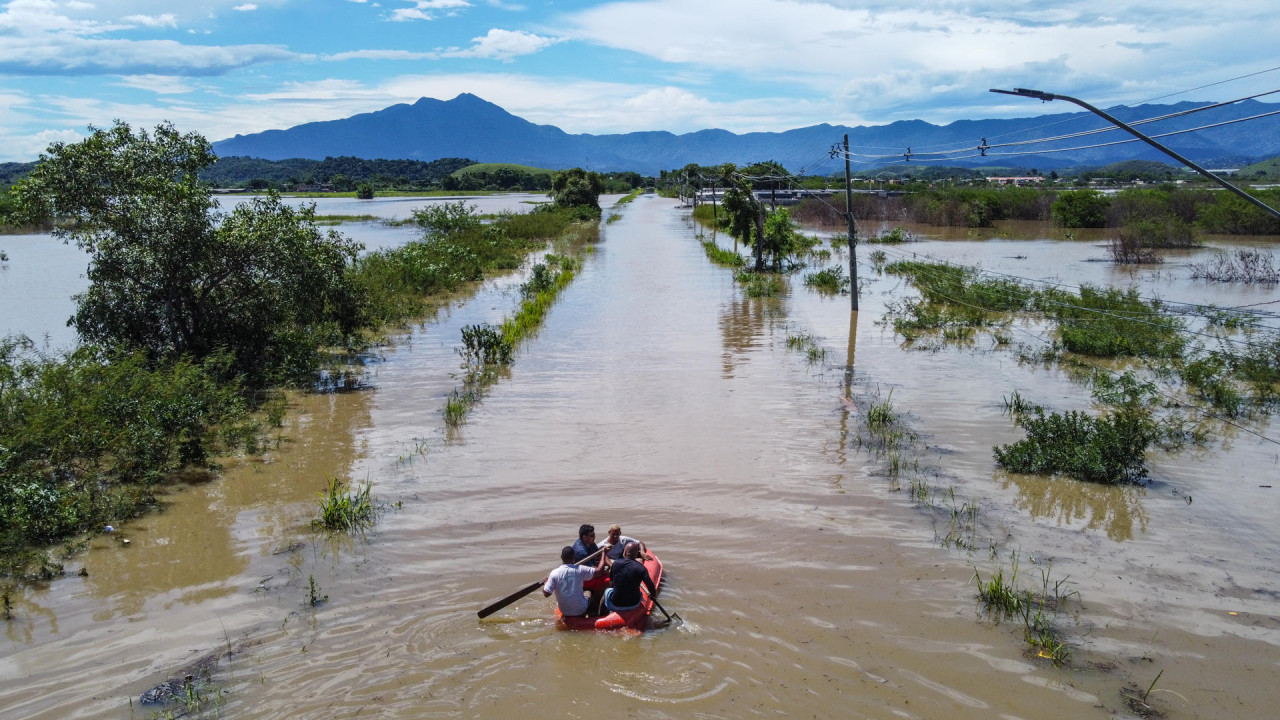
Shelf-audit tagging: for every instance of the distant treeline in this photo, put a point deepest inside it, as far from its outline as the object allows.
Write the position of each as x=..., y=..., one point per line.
x=343, y=173
x=1210, y=211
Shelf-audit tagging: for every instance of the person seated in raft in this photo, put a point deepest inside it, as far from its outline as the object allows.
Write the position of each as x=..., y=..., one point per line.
x=616, y=541
x=567, y=580
x=625, y=577
x=585, y=545
x=584, y=548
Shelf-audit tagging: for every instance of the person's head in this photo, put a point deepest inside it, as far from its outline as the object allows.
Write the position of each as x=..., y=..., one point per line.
x=566, y=554
x=631, y=550
x=615, y=532
x=587, y=534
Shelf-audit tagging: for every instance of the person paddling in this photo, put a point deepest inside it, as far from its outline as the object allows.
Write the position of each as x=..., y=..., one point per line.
x=567, y=580
x=625, y=578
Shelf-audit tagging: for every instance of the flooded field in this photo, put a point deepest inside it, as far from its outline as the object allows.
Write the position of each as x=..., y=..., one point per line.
x=812, y=584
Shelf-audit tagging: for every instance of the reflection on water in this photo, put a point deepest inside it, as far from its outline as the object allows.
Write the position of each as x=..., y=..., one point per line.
x=1113, y=508
x=742, y=321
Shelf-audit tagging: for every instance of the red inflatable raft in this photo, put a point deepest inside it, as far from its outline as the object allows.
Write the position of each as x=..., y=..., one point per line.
x=635, y=620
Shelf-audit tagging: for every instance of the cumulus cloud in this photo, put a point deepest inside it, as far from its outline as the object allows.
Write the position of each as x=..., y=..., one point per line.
x=504, y=45
x=41, y=38
x=422, y=9
x=69, y=55
x=247, y=7
x=167, y=20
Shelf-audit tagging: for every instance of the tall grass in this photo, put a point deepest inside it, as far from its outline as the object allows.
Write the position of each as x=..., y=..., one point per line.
x=720, y=256
x=341, y=510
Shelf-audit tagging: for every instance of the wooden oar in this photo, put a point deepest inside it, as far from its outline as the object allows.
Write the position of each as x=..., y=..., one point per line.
x=491, y=609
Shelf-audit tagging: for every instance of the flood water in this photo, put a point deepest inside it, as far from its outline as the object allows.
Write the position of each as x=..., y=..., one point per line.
x=658, y=397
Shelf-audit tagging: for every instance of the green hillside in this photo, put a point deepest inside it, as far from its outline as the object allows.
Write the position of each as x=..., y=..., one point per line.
x=1267, y=169
x=494, y=168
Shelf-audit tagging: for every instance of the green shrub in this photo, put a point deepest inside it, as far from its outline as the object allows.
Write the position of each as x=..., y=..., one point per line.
x=831, y=281
x=1080, y=209
x=1104, y=450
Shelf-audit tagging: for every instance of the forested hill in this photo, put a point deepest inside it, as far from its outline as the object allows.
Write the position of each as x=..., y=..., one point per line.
x=342, y=172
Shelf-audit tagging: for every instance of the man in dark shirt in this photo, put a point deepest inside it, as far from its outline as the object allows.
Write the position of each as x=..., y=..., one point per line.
x=584, y=547
x=625, y=576
x=586, y=543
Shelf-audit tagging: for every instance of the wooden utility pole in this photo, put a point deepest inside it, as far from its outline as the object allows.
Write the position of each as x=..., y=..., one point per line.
x=853, y=230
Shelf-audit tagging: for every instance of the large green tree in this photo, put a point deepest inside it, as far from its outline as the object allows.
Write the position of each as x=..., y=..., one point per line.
x=171, y=275
x=577, y=188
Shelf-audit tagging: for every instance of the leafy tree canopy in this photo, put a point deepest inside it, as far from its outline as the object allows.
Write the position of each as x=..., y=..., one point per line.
x=577, y=188
x=171, y=275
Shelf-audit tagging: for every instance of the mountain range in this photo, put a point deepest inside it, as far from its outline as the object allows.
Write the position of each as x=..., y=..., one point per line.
x=468, y=126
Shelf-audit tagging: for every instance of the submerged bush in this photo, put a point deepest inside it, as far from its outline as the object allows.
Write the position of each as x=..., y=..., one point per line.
x=832, y=280
x=1245, y=266
x=1103, y=450
x=84, y=438
x=1108, y=322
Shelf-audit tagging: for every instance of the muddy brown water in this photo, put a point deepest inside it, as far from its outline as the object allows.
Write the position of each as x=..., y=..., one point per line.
x=656, y=396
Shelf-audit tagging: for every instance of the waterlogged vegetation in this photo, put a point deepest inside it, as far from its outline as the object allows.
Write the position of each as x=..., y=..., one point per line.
x=343, y=509
x=1175, y=381
x=194, y=318
x=1003, y=599
x=487, y=349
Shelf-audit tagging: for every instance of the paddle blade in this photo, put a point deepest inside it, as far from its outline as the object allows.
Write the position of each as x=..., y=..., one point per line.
x=491, y=609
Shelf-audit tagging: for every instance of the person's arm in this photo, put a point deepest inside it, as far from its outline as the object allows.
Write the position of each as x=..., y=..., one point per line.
x=601, y=564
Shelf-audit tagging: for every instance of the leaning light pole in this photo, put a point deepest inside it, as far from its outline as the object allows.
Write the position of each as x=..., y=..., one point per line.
x=1047, y=97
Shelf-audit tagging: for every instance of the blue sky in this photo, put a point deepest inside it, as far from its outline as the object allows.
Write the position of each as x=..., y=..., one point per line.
x=221, y=67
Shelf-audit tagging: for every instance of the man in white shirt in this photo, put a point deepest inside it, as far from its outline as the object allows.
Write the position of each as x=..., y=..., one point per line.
x=566, y=583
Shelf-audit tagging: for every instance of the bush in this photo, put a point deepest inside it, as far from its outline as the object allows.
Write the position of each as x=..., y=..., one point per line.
x=1080, y=209
x=1107, y=450
x=831, y=281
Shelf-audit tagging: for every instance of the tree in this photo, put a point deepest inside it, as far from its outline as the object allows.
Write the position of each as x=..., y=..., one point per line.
x=1080, y=209
x=577, y=188
x=172, y=276
x=364, y=191
x=743, y=211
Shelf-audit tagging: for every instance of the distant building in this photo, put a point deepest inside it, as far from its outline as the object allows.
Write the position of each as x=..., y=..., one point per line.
x=1025, y=180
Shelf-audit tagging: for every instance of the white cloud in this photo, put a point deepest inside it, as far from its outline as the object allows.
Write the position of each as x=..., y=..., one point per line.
x=167, y=20
x=72, y=55
x=504, y=45
x=247, y=7
x=25, y=148
x=380, y=55
x=158, y=84
x=421, y=9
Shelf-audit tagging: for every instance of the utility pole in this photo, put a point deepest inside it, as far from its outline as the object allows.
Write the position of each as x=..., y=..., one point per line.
x=853, y=230
x=1047, y=97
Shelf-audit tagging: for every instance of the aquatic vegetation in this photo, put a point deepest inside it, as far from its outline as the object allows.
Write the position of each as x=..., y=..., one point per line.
x=760, y=284
x=830, y=281
x=806, y=344
x=895, y=236
x=1109, y=449
x=1109, y=322
x=485, y=345
x=345, y=511
x=314, y=596
x=720, y=256
x=458, y=404
x=1242, y=266
x=1001, y=597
